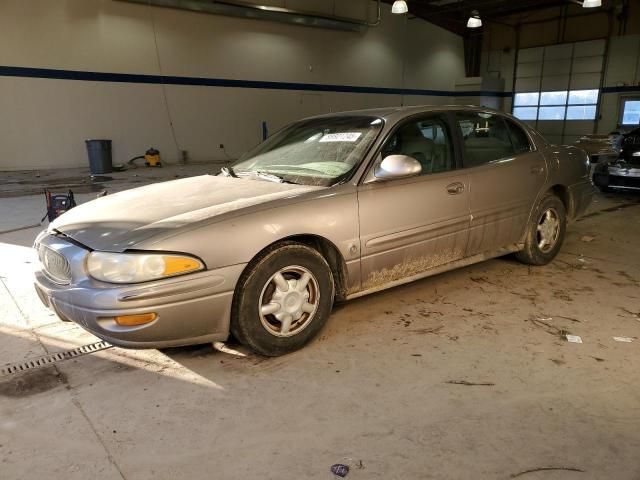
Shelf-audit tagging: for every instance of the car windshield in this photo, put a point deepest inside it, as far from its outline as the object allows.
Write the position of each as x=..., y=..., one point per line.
x=319, y=151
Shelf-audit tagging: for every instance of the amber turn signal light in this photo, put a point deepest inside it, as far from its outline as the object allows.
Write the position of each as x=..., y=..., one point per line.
x=133, y=320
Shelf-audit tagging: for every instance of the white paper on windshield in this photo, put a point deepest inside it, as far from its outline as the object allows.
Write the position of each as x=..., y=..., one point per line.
x=341, y=137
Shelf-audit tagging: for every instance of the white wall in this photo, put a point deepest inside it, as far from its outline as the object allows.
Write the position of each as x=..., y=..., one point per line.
x=43, y=122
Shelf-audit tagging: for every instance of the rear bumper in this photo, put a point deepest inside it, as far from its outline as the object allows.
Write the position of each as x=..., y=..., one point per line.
x=581, y=195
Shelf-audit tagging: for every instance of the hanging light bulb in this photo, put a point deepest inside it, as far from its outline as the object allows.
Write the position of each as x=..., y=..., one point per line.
x=591, y=3
x=399, y=7
x=474, y=20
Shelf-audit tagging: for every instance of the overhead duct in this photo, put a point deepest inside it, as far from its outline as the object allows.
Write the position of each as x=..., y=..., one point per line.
x=260, y=12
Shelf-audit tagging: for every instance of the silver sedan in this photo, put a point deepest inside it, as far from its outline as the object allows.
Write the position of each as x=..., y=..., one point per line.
x=328, y=209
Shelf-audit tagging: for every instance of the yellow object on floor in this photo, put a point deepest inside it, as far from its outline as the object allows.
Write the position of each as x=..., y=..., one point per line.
x=152, y=158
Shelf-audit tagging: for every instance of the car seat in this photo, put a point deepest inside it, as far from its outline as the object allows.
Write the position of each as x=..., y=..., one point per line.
x=414, y=144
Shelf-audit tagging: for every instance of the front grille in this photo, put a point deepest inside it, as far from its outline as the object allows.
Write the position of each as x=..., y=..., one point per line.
x=54, y=265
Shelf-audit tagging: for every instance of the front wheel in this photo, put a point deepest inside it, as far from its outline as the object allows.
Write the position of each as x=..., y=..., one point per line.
x=283, y=299
x=545, y=232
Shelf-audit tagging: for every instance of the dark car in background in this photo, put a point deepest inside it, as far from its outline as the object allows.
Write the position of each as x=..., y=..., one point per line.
x=623, y=172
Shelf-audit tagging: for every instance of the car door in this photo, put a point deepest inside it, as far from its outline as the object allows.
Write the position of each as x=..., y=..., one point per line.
x=505, y=173
x=410, y=225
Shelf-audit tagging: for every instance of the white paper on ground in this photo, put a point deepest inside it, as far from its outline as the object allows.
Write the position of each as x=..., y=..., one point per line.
x=623, y=339
x=574, y=338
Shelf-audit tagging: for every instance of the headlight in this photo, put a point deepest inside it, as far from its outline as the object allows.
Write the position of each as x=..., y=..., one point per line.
x=138, y=267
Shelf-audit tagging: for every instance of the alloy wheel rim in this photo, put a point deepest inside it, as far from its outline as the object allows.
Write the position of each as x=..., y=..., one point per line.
x=289, y=301
x=548, y=230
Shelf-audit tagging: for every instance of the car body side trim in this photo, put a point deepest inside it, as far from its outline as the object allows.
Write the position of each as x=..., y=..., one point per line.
x=420, y=234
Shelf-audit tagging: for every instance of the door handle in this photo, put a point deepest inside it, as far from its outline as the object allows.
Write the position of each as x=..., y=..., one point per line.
x=455, y=188
x=537, y=170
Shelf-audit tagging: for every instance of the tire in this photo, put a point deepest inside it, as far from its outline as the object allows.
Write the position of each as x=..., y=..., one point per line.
x=544, y=237
x=274, y=317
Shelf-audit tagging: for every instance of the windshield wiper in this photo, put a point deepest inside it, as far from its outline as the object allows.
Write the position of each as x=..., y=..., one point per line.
x=269, y=176
x=228, y=172
x=257, y=175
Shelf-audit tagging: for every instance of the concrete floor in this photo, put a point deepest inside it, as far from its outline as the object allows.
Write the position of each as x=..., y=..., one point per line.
x=382, y=389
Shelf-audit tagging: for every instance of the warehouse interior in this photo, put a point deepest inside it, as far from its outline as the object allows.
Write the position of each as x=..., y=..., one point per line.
x=493, y=370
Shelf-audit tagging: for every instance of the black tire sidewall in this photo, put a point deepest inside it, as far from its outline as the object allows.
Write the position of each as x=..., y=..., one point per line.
x=245, y=322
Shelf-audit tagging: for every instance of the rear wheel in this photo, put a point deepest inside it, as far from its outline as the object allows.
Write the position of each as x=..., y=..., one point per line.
x=545, y=232
x=283, y=299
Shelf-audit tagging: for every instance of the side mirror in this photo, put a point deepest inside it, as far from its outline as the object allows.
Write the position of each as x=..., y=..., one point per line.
x=398, y=166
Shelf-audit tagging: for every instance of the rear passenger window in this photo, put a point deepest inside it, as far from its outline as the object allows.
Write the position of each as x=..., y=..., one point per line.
x=485, y=137
x=519, y=138
x=427, y=140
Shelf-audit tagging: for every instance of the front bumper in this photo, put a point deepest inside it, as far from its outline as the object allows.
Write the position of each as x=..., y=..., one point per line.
x=190, y=309
x=626, y=178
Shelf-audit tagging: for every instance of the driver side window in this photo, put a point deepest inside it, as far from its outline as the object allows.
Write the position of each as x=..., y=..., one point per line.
x=427, y=140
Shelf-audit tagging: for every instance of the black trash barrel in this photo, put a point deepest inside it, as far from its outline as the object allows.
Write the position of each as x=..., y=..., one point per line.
x=99, y=156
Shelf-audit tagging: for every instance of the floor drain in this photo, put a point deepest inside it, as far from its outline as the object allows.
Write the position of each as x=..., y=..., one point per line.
x=46, y=360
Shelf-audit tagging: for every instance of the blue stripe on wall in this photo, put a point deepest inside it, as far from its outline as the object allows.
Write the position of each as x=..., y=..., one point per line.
x=27, y=72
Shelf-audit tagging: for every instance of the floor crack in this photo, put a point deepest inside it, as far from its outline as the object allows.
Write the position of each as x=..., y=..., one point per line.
x=97, y=435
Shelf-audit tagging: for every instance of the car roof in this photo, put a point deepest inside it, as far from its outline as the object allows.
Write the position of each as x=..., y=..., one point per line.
x=397, y=113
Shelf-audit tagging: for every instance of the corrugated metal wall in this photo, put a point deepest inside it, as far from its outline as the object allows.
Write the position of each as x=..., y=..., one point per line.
x=561, y=68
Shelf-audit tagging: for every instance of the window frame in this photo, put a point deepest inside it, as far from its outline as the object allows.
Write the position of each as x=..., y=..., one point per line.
x=585, y=105
x=446, y=117
x=566, y=98
x=623, y=100
x=516, y=124
x=562, y=118
x=533, y=147
x=566, y=105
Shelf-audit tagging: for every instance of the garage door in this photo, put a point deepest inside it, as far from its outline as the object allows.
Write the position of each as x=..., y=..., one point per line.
x=557, y=88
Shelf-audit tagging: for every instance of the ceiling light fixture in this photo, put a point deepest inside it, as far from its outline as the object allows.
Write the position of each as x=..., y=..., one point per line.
x=591, y=3
x=475, y=22
x=399, y=7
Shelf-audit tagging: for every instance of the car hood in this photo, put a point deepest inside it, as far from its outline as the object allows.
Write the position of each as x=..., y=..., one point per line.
x=118, y=222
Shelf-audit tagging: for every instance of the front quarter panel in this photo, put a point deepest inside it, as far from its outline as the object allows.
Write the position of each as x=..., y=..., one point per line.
x=331, y=214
